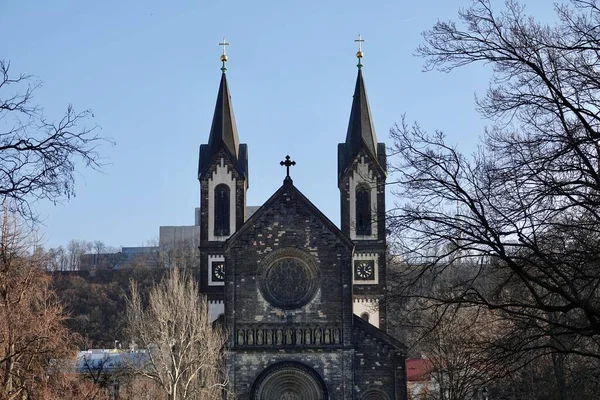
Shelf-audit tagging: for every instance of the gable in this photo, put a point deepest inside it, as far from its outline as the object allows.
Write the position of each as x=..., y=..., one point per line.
x=288, y=264
x=207, y=163
x=285, y=205
x=348, y=162
x=367, y=333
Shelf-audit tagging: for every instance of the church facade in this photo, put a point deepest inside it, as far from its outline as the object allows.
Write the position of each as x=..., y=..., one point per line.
x=301, y=299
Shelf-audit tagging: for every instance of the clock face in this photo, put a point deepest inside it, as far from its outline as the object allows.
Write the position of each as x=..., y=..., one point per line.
x=218, y=271
x=364, y=270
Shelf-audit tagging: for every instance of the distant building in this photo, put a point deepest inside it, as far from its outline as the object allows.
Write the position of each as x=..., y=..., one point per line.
x=127, y=257
x=106, y=368
x=174, y=243
x=419, y=377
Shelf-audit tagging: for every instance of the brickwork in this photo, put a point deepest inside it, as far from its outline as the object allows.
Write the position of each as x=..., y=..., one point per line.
x=320, y=334
x=214, y=248
x=379, y=245
x=286, y=222
x=334, y=367
x=378, y=364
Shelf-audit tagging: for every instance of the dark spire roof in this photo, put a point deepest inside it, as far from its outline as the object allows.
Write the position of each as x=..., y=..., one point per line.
x=223, y=132
x=361, y=134
x=360, y=128
x=223, y=135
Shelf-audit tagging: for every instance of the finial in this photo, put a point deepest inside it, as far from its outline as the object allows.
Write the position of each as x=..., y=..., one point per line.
x=287, y=163
x=224, y=43
x=359, y=53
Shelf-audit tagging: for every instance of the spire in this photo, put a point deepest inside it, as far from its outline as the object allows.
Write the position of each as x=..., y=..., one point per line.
x=223, y=132
x=360, y=128
x=361, y=134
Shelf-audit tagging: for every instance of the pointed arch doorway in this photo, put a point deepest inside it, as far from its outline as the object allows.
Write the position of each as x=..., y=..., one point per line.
x=289, y=381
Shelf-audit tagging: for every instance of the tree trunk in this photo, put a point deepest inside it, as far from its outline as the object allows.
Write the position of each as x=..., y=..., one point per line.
x=558, y=365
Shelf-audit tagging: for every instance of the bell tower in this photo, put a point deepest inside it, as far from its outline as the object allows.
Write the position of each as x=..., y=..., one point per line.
x=223, y=176
x=362, y=174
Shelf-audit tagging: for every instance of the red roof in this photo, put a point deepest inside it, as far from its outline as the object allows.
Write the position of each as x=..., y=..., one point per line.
x=418, y=369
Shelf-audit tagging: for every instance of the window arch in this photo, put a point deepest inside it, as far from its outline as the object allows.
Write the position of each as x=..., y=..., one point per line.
x=222, y=204
x=289, y=380
x=365, y=316
x=375, y=394
x=363, y=210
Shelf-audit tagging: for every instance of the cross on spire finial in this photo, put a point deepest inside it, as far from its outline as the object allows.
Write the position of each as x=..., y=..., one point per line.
x=224, y=43
x=287, y=163
x=359, y=53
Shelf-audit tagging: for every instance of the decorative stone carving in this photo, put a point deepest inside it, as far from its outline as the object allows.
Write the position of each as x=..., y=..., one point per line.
x=288, y=278
x=307, y=336
x=289, y=381
x=375, y=394
x=289, y=336
x=269, y=337
x=299, y=336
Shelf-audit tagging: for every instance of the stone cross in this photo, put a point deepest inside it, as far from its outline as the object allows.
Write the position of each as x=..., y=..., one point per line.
x=287, y=163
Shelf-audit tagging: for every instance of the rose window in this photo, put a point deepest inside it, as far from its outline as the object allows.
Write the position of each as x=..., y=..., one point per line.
x=288, y=282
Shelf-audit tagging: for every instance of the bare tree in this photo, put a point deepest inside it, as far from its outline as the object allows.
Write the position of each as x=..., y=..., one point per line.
x=183, y=348
x=141, y=388
x=70, y=386
x=99, y=247
x=38, y=157
x=523, y=211
x=104, y=373
x=454, y=339
x=180, y=253
x=32, y=330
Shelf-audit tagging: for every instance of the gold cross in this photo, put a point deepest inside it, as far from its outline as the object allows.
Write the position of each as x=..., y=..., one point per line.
x=224, y=43
x=360, y=40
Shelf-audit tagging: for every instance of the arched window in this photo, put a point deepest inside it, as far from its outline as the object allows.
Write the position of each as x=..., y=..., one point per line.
x=363, y=210
x=365, y=316
x=222, y=199
x=375, y=394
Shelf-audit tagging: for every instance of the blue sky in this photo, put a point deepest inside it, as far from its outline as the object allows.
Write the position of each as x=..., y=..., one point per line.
x=149, y=70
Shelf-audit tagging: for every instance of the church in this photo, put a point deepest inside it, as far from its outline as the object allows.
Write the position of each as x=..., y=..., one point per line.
x=301, y=299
